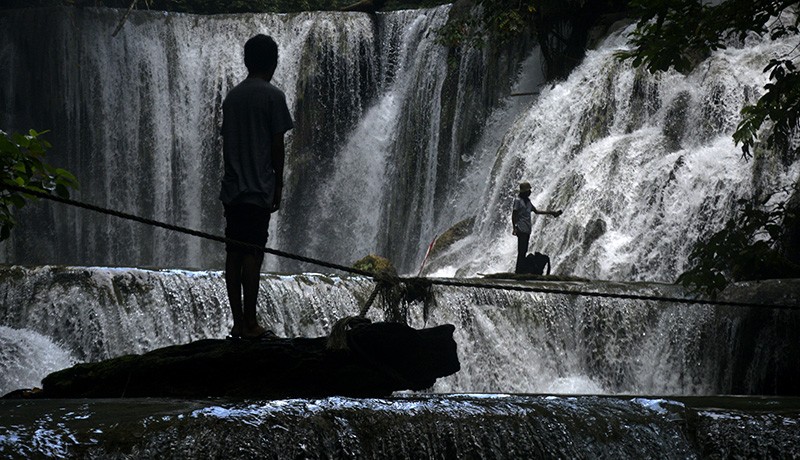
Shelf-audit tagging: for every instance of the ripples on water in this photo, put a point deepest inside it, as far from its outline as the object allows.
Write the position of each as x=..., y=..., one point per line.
x=441, y=426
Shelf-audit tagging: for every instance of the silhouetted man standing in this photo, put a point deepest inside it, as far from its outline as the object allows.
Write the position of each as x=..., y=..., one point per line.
x=521, y=221
x=255, y=119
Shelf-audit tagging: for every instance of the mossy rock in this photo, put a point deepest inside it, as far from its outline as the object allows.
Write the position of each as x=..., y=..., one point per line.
x=451, y=235
x=375, y=264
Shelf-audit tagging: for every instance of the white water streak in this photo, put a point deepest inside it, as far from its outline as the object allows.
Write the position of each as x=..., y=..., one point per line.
x=649, y=159
x=507, y=341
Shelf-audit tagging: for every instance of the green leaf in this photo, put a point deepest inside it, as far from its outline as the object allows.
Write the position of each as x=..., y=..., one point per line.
x=22, y=163
x=17, y=201
x=8, y=148
x=62, y=191
x=5, y=230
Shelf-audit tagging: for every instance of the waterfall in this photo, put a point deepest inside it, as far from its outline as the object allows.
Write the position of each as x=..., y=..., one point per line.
x=397, y=139
x=642, y=165
x=136, y=117
x=378, y=106
x=26, y=356
x=349, y=198
x=507, y=341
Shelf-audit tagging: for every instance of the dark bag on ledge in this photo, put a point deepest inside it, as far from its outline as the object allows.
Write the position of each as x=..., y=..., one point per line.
x=535, y=264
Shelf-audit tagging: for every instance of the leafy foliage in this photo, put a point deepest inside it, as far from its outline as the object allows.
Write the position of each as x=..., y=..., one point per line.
x=679, y=33
x=560, y=26
x=223, y=6
x=22, y=164
x=745, y=249
x=780, y=106
x=500, y=20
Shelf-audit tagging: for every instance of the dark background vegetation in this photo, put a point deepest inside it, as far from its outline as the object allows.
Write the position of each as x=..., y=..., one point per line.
x=227, y=6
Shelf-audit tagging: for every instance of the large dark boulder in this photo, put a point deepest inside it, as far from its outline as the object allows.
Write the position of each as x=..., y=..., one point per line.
x=380, y=358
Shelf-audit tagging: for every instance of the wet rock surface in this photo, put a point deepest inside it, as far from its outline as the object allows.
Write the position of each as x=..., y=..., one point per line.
x=381, y=358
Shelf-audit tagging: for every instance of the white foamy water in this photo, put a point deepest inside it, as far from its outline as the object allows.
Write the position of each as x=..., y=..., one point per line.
x=642, y=166
x=26, y=357
x=508, y=342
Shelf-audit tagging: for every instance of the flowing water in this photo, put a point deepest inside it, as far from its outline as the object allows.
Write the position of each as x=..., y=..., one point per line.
x=642, y=166
x=455, y=426
x=136, y=117
x=507, y=341
x=397, y=139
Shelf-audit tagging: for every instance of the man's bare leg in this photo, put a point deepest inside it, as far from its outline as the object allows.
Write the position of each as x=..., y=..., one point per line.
x=251, y=276
x=233, y=281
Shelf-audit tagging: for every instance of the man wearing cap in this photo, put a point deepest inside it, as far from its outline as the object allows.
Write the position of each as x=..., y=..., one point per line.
x=521, y=220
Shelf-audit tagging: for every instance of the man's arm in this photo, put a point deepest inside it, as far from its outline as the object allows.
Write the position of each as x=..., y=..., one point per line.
x=552, y=213
x=514, y=222
x=278, y=153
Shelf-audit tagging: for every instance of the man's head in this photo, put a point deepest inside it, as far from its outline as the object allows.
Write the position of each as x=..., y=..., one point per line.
x=261, y=55
x=525, y=188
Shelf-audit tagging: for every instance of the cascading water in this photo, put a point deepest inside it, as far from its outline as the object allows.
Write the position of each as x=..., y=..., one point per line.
x=643, y=166
x=26, y=356
x=397, y=138
x=507, y=341
x=378, y=104
x=350, y=200
x=459, y=426
x=136, y=117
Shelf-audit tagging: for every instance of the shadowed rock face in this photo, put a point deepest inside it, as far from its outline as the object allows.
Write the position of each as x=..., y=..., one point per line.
x=365, y=6
x=382, y=358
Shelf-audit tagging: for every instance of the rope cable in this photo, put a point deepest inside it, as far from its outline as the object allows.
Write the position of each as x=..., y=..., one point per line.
x=382, y=277
x=185, y=230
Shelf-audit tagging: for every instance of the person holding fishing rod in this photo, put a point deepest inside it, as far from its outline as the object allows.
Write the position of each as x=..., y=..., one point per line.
x=521, y=222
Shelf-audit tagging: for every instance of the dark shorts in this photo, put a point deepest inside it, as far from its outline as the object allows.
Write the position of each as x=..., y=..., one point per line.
x=247, y=223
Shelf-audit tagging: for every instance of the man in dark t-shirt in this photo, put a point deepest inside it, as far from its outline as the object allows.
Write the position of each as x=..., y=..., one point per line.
x=255, y=119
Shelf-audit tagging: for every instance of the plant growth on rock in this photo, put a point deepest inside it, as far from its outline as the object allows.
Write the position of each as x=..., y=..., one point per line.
x=22, y=164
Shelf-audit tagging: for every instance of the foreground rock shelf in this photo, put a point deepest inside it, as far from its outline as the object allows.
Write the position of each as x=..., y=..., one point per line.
x=381, y=358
